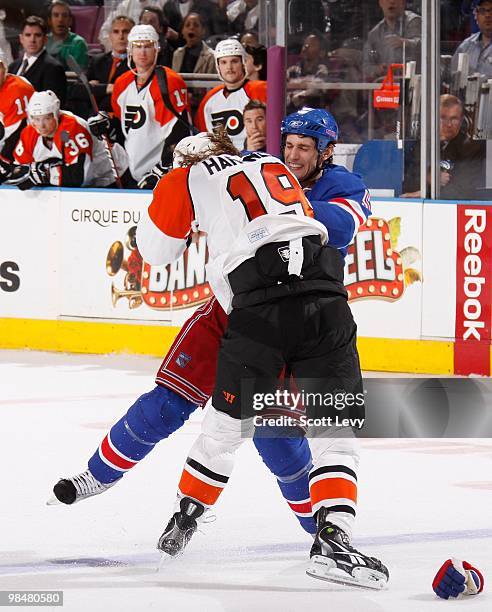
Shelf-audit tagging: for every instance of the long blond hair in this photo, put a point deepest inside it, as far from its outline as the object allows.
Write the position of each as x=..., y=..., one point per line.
x=220, y=144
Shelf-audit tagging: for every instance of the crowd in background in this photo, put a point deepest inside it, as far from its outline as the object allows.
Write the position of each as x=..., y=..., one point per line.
x=329, y=42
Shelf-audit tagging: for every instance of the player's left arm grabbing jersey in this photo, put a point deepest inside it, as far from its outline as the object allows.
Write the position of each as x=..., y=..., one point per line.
x=341, y=202
x=163, y=230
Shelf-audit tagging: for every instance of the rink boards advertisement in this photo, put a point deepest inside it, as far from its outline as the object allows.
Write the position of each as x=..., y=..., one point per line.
x=414, y=272
x=383, y=269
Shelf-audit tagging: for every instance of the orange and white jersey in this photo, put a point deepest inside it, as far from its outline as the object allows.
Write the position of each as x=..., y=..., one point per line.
x=220, y=107
x=79, y=148
x=241, y=203
x=146, y=122
x=15, y=93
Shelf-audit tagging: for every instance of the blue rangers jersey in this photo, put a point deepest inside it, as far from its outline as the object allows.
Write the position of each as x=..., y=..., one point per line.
x=349, y=204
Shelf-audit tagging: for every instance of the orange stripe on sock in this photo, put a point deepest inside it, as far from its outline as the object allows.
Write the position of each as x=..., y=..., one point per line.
x=333, y=488
x=191, y=486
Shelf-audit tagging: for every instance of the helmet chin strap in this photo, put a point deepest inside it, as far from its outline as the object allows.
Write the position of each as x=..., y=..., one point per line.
x=318, y=168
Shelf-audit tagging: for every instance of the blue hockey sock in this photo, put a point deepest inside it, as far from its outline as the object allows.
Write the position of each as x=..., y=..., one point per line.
x=153, y=417
x=289, y=460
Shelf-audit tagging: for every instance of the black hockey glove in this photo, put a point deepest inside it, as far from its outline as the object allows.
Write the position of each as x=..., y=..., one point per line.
x=5, y=169
x=100, y=125
x=150, y=180
x=27, y=176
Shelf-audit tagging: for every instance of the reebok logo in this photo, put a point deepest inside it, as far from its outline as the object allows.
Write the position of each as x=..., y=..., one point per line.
x=473, y=281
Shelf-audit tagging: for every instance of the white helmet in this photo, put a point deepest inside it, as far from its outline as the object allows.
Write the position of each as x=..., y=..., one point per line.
x=228, y=47
x=191, y=145
x=43, y=103
x=141, y=33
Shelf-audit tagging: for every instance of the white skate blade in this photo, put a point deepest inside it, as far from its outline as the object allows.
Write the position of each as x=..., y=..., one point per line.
x=324, y=568
x=53, y=501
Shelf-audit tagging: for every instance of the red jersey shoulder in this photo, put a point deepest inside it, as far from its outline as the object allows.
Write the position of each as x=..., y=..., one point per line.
x=256, y=90
x=14, y=95
x=178, y=95
x=24, y=149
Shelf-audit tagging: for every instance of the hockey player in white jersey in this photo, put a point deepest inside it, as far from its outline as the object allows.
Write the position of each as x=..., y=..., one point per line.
x=241, y=204
x=224, y=104
x=57, y=149
x=150, y=124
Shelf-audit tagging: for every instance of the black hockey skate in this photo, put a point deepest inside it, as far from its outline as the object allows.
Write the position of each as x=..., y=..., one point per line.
x=335, y=560
x=182, y=525
x=78, y=487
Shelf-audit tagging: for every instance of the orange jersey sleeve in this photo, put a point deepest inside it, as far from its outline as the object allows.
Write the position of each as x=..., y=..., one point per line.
x=163, y=228
x=171, y=208
x=119, y=86
x=200, y=113
x=256, y=90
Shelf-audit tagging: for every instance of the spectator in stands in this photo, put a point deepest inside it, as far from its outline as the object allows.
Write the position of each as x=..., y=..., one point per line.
x=305, y=17
x=61, y=41
x=35, y=64
x=310, y=70
x=243, y=15
x=105, y=68
x=152, y=15
x=132, y=9
x=14, y=93
x=254, y=116
x=213, y=16
x=478, y=46
x=395, y=38
x=57, y=148
x=195, y=56
x=256, y=63
x=250, y=39
x=462, y=159
x=5, y=47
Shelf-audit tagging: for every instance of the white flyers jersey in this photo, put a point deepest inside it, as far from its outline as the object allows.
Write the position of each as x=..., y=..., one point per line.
x=220, y=107
x=146, y=122
x=80, y=148
x=242, y=203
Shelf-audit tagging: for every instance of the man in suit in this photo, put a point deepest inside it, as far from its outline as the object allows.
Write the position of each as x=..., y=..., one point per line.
x=35, y=64
x=104, y=69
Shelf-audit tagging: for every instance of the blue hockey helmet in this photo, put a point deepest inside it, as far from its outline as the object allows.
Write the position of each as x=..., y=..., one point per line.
x=314, y=122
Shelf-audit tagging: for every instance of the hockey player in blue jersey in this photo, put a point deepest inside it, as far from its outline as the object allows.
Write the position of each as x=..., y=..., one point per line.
x=341, y=202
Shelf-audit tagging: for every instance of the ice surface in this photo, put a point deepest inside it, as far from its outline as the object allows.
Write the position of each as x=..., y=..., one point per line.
x=420, y=502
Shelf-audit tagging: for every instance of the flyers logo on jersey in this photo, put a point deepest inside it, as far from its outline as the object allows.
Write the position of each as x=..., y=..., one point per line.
x=232, y=119
x=374, y=268
x=134, y=117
